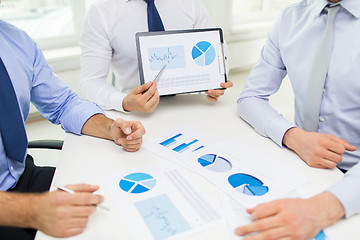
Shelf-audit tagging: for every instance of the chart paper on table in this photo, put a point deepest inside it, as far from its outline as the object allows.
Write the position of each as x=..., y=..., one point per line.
x=160, y=201
x=245, y=174
x=194, y=59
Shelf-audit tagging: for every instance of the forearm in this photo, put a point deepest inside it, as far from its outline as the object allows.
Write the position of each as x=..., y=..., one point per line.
x=16, y=209
x=98, y=126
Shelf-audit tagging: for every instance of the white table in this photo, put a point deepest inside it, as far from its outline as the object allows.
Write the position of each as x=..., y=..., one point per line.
x=87, y=160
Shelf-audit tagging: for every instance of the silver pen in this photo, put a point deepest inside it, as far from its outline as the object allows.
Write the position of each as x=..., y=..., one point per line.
x=159, y=74
x=68, y=190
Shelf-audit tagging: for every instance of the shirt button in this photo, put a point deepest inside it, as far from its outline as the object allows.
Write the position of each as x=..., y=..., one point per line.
x=11, y=168
x=322, y=119
x=324, y=90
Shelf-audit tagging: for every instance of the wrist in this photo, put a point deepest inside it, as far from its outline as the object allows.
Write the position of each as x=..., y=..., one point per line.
x=329, y=208
x=125, y=105
x=290, y=137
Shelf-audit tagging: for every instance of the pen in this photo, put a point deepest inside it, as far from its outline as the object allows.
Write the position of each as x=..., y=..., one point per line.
x=68, y=190
x=159, y=74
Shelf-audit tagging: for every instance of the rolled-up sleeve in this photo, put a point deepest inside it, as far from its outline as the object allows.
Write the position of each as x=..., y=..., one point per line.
x=56, y=101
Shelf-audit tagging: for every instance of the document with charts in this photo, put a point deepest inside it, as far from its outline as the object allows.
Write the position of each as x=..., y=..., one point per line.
x=160, y=201
x=193, y=60
x=245, y=174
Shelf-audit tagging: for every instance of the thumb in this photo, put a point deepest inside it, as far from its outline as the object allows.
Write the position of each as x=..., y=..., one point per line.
x=124, y=126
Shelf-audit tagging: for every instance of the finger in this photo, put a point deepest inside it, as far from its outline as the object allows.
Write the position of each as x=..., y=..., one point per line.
x=150, y=92
x=325, y=164
x=132, y=148
x=332, y=156
x=227, y=84
x=264, y=210
x=273, y=233
x=82, y=211
x=83, y=187
x=138, y=131
x=151, y=104
x=125, y=126
x=343, y=142
x=259, y=226
x=211, y=98
x=216, y=93
x=142, y=88
x=80, y=199
x=132, y=142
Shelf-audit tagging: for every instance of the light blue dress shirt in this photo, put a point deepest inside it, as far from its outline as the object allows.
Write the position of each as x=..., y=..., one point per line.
x=34, y=81
x=290, y=50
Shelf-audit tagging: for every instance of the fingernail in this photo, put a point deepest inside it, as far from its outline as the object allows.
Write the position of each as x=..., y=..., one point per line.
x=238, y=232
x=149, y=83
x=120, y=141
x=129, y=138
x=128, y=130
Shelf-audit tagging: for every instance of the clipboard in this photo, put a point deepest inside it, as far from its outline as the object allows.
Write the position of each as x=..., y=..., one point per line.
x=193, y=60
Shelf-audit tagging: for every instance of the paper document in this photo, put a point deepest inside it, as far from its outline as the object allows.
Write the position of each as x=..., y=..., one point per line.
x=245, y=174
x=160, y=201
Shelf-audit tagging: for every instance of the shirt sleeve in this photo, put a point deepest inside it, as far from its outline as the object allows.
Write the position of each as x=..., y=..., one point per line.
x=56, y=101
x=96, y=56
x=264, y=80
x=347, y=191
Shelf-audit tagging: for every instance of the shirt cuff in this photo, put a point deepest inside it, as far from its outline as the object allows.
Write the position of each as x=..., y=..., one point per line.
x=347, y=192
x=277, y=128
x=116, y=102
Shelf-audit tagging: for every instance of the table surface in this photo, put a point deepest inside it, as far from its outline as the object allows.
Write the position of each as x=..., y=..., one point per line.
x=87, y=159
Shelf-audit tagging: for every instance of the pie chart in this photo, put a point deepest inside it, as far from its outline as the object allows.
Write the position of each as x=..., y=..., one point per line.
x=137, y=183
x=214, y=163
x=247, y=184
x=203, y=53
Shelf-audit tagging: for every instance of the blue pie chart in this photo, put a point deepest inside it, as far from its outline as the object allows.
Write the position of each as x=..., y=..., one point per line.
x=247, y=184
x=214, y=163
x=137, y=183
x=203, y=53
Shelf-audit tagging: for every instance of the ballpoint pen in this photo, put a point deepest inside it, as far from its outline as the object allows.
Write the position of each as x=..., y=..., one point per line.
x=68, y=190
x=159, y=74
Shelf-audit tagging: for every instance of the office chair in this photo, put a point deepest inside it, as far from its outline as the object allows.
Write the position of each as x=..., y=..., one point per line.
x=46, y=144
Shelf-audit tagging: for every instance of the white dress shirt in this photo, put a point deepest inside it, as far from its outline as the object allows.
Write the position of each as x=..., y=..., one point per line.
x=290, y=50
x=108, y=39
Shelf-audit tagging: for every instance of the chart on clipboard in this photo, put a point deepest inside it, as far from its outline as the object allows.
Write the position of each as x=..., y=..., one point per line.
x=193, y=60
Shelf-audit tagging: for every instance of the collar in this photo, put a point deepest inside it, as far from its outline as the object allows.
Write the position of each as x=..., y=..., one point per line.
x=352, y=6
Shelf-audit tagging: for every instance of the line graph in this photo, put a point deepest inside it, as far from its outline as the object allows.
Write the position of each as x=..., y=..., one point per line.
x=172, y=56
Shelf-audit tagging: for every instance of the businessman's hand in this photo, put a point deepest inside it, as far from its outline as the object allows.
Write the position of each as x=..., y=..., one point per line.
x=143, y=98
x=292, y=218
x=317, y=149
x=127, y=134
x=62, y=214
x=213, y=95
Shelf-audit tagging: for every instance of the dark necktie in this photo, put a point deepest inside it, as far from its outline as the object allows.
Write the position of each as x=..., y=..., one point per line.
x=154, y=20
x=12, y=128
x=318, y=74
